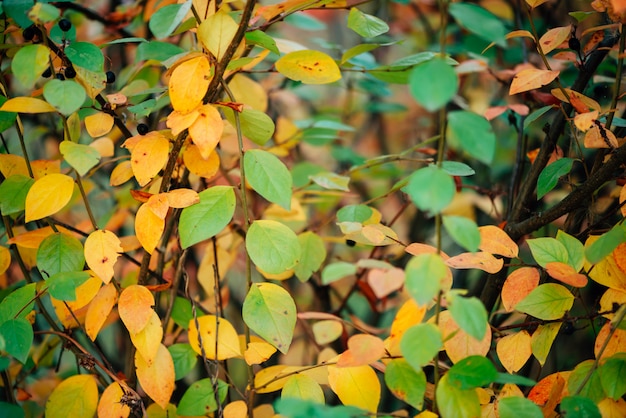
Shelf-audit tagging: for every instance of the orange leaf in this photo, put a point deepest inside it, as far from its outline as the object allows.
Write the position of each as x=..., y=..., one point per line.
x=566, y=274
x=457, y=343
x=48, y=195
x=236, y=409
x=189, y=82
x=148, y=227
x=5, y=259
x=548, y=392
x=553, y=38
x=531, y=79
x=102, y=249
x=157, y=379
x=199, y=166
x=207, y=130
x=600, y=137
x=480, y=260
x=362, y=349
x=178, y=121
x=110, y=405
x=514, y=350
x=31, y=239
x=147, y=340
x=409, y=314
x=617, y=343
x=518, y=285
x=149, y=156
x=158, y=204
x=576, y=99
x=384, y=282
x=495, y=241
x=416, y=249
x=182, y=198
x=99, y=309
x=135, y=307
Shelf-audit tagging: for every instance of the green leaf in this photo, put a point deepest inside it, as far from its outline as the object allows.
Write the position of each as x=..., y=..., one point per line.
x=86, y=55
x=456, y=402
x=536, y=115
x=268, y=176
x=313, y=255
x=7, y=119
x=420, y=344
x=257, y=126
x=184, y=358
x=331, y=181
x=182, y=312
x=262, y=39
x=612, y=374
x=463, y=230
x=207, y=218
x=580, y=16
x=469, y=313
x=542, y=340
x=165, y=20
x=547, y=250
x=354, y=213
x=473, y=134
x=518, y=407
x=298, y=408
x=18, y=11
x=480, y=22
x=305, y=22
x=431, y=189
x=13, y=191
x=19, y=303
x=433, y=84
x=29, y=63
x=18, y=336
x=424, y=275
x=455, y=168
x=63, y=285
x=269, y=310
x=406, y=383
x=303, y=387
x=44, y=13
x=579, y=407
x=9, y=410
x=605, y=245
x=66, y=96
x=592, y=388
x=337, y=271
x=515, y=379
x=272, y=246
x=199, y=398
x=365, y=25
x=472, y=372
x=575, y=249
x=81, y=157
x=158, y=51
x=551, y=174
x=547, y=301
x=60, y=253
x=358, y=50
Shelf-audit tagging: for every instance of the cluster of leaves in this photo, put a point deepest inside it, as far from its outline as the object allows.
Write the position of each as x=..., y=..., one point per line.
x=273, y=241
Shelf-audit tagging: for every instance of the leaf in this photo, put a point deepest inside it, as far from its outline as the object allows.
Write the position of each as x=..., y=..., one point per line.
x=260, y=38
x=76, y=396
x=409, y=314
x=148, y=227
x=365, y=25
x=457, y=343
x=406, y=383
x=480, y=22
x=575, y=249
x=99, y=124
x=480, y=260
x=198, y=165
x=431, y=189
x=148, y=339
x=62, y=286
x=433, y=83
x=270, y=311
x=184, y=358
x=216, y=33
x=257, y=351
x=303, y=387
x=206, y=219
x=5, y=259
x=546, y=250
x=165, y=20
x=268, y=176
x=337, y=271
x=463, y=230
x=331, y=181
x=257, y=126
x=13, y=191
x=385, y=281
x=548, y=392
x=472, y=372
x=420, y=344
x=611, y=376
x=182, y=198
x=19, y=303
x=514, y=350
x=308, y=67
x=518, y=285
x=199, y=398
x=86, y=55
x=99, y=309
x=566, y=274
x=313, y=255
x=456, y=168
x=553, y=38
x=81, y=157
x=66, y=96
x=272, y=246
x=327, y=331
x=362, y=349
x=48, y=195
x=355, y=386
x=210, y=328
x=473, y=134
x=425, y=274
x=531, y=79
x=149, y=156
x=516, y=407
x=188, y=83
x=157, y=379
x=469, y=314
x=456, y=402
x=605, y=244
x=579, y=406
x=542, y=340
x=59, y=253
x=27, y=105
x=18, y=336
x=550, y=175
x=495, y=241
x=547, y=301
x=110, y=404
x=102, y=248
x=29, y=62
x=135, y=307
x=206, y=131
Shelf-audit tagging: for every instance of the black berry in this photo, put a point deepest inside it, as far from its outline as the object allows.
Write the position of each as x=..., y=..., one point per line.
x=142, y=128
x=350, y=243
x=110, y=77
x=65, y=25
x=60, y=76
x=47, y=73
x=574, y=44
x=29, y=33
x=70, y=72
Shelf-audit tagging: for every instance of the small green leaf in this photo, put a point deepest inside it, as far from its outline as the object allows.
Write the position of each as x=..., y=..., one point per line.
x=354, y=213
x=455, y=168
x=367, y=26
x=86, y=55
x=580, y=16
x=357, y=50
x=269, y=310
x=158, y=51
x=298, y=408
x=605, y=245
x=262, y=39
x=612, y=374
x=331, y=181
x=184, y=358
x=575, y=249
x=313, y=253
x=547, y=301
x=257, y=126
x=406, y=383
x=579, y=407
x=463, y=230
x=29, y=63
x=182, y=312
x=592, y=388
x=81, y=157
x=420, y=344
x=473, y=134
x=518, y=407
x=18, y=336
x=272, y=246
x=542, y=340
x=19, y=303
x=433, y=84
x=199, y=398
x=431, y=189
x=515, y=379
x=13, y=191
x=7, y=119
x=536, y=115
x=547, y=250
x=337, y=271
x=62, y=286
x=480, y=22
x=424, y=275
x=268, y=176
x=472, y=372
x=456, y=402
x=165, y=20
x=550, y=175
x=207, y=218
x=469, y=313
x=66, y=96
x=303, y=387
x=59, y=253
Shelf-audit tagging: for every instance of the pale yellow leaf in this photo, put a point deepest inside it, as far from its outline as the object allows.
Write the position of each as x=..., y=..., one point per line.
x=99, y=124
x=553, y=38
x=121, y=173
x=135, y=307
x=76, y=396
x=149, y=156
x=600, y=137
x=207, y=130
x=11, y=164
x=148, y=227
x=326, y=331
x=258, y=352
x=157, y=379
x=542, y=340
x=514, y=350
x=309, y=67
x=531, y=79
x=578, y=100
x=27, y=105
x=188, y=83
x=584, y=121
x=210, y=328
x=362, y=349
x=356, y=386
x=147, y=340
x=303, y=387
x=216, y=33
x=99, y=310
x=110, y=405
x=48, y=195
x=102, y=249
x=384, y=282
x=249, y=92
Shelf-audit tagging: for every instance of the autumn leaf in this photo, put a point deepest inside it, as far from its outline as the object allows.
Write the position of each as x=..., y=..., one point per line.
x=207, y=329
x=356, y=386
x=480, y=260
x=200, y=166
x=326, y=331
x=566, y=274
x=553, y=38
x=182, y=198
x=147, y=340
x=102, y=249
x=459, y=344
x=495, y=241
x=362, y=349
x=135, y=307
x=99, y=124
x=531, y=79
x=206, y=130
x=48, y=195
x=157, y=378
x=110, y=404
x=189, y=82
x=518, y=285
x=148, y=156
x=257, y=351
x=578, y=100
x=75, y=396
x=99, y=310
x=149, y=227
x=216, y=33
x=178, y=121
x=309, y=67
x=514, y=350
x=584, y=121
x=600, y=137
x=385, y=281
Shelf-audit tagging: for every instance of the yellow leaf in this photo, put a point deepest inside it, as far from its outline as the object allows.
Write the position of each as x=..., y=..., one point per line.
x=362, y=349
x=480, y=260
x=514, y=350
x=99, y=124
x=210, y=328
x=566, y=274
x=608, y=272
x=258, y=352
x=272, y=378
x=148, y=340
x=519, y=34
x=121, y=173
x=249, y=92
x=535, y=3
x=48, y=195
x=236, y=409
x=301, y=386
x=199, y=166
x=584, y=121
x=110, y=405
x=188, y=84
x=12, y=164
x=182, y=198
x=102, y=249
x=518, y=285
x=104, y=146
x=207, y=130
x=610, y=408
x=326, y=331
x=542, y=340
x=457, y=343
x=99, y=309
x=495, y=241
x=356, y=386
x=600, y=137
x=409, y=314
x=616, y=344
x=579, y=101
x=31, y=239
x=610, y=297
x=309, y=67
x=135, y=307
x=149, y=156
x=5, y=259
x=76, y=396
x=158, y=204
x=531, y=79
x=157, y=379
x=148, y=227
x=553, y=38
x=216, y=33
x=178, y=121
x=27, y=105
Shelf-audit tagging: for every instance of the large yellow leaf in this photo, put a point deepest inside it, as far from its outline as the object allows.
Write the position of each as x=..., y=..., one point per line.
x=110, y=405
x=135, y=307
x=147, y=340
x=27, y=105
x=207, y=130
x=99, y=309
x=309, y=67
x=212, y=327
x=531, y=79
x=99, y=124
x=514, y=350
x=48, y=195
x=157, y=379
x=188, y=84
x=76, y=396
x=149, y=156
x=148, y=227
x=102, y=249
x=216, y=32
x=356, y=386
